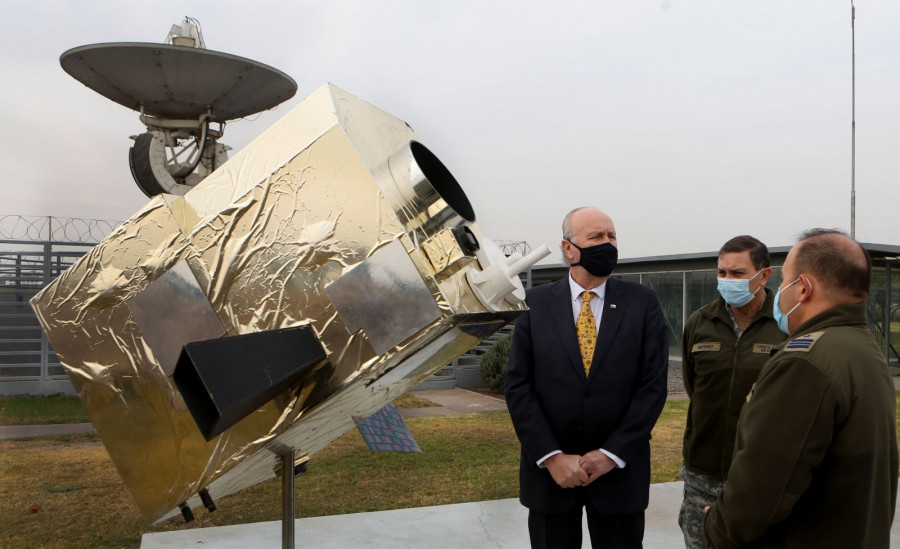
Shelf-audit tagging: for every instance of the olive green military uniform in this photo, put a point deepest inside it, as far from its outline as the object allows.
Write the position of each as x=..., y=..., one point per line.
x=815, y=462
x=719, y=366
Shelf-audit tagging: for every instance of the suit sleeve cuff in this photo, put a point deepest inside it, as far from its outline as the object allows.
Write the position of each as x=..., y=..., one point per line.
x=619, y=463
x=540, y=462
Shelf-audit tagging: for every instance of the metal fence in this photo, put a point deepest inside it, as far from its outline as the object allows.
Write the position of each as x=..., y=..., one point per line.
x=33, y=252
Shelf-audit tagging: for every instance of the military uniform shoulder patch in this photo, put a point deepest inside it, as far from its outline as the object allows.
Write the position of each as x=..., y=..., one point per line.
x=803, y=343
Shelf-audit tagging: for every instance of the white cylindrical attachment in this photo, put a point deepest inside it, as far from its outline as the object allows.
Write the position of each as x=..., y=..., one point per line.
x=500, y=281
x=525, y=263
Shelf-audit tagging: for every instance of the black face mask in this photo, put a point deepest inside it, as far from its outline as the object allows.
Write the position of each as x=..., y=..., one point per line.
x=599, y=260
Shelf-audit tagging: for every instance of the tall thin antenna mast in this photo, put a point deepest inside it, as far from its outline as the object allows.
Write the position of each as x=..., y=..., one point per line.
x=853, y=123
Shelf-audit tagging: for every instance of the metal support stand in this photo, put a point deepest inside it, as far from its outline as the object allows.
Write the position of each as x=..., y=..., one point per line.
x=287, y=498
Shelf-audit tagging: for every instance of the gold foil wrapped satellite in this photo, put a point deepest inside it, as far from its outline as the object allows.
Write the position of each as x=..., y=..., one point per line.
x=335, y=223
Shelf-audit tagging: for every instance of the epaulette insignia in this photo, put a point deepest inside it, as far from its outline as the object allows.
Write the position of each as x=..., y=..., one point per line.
x=803, y=343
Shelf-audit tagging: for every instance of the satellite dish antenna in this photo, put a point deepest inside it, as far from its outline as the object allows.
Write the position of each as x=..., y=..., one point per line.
x=180, y=89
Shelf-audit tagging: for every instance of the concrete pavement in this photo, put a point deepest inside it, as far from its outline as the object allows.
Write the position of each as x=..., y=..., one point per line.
x=454, y=401
x=449, y=401
x=499, y=524
x=30, y=431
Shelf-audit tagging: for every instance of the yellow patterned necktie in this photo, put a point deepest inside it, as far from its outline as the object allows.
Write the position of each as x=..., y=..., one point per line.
x=587, y=331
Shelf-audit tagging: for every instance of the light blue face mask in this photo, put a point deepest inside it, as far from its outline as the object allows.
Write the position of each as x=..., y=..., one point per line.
x=736, y=291
x=782, y=318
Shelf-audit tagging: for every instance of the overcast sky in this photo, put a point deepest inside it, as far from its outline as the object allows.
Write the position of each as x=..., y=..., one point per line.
x=689, y=122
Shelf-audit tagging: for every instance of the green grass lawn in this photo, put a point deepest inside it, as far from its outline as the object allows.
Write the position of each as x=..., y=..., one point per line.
x=81, y=501
x=471, y=457
x=41, y=410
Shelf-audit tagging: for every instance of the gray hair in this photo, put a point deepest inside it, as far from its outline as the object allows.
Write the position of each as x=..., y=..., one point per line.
x=567, y=231
x=567, y=223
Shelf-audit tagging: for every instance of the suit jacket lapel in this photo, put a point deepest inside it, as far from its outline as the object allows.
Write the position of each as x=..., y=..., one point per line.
x=613, y=306
x=561, y=309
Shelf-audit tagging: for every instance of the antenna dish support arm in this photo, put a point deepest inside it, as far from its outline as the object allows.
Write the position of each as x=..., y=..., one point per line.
x=173, y=123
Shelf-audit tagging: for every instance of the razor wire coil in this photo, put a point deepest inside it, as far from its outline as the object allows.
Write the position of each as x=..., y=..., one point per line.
x=55, y=229
x=509, y=247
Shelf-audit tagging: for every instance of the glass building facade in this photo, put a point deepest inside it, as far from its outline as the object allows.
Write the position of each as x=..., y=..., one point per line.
x=683, y=292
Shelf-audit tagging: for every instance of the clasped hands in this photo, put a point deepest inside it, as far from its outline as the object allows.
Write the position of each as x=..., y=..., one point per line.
x=570, y=470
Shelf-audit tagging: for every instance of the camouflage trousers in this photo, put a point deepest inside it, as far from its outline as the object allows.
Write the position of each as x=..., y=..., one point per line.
x=699, y=491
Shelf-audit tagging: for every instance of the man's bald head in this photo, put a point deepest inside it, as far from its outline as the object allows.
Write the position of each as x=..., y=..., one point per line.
x=838, y=262
x=584, y=214
x=586, y=226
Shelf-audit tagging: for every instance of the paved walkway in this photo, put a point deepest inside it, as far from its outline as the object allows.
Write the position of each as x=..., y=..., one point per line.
x=449, y=401
x=30, y=431
x=501, y=524
x=454, y=401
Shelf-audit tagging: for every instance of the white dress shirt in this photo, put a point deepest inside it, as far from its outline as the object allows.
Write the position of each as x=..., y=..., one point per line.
x=596, y=301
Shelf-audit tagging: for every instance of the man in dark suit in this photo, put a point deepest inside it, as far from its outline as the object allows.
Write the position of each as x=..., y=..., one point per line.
x=584, y=400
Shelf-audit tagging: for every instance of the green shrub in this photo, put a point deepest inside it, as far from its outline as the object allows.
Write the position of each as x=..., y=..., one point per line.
x=493, y=363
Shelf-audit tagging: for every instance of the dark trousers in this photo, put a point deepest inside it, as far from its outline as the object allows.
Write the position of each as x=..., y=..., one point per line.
x=608, y=531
